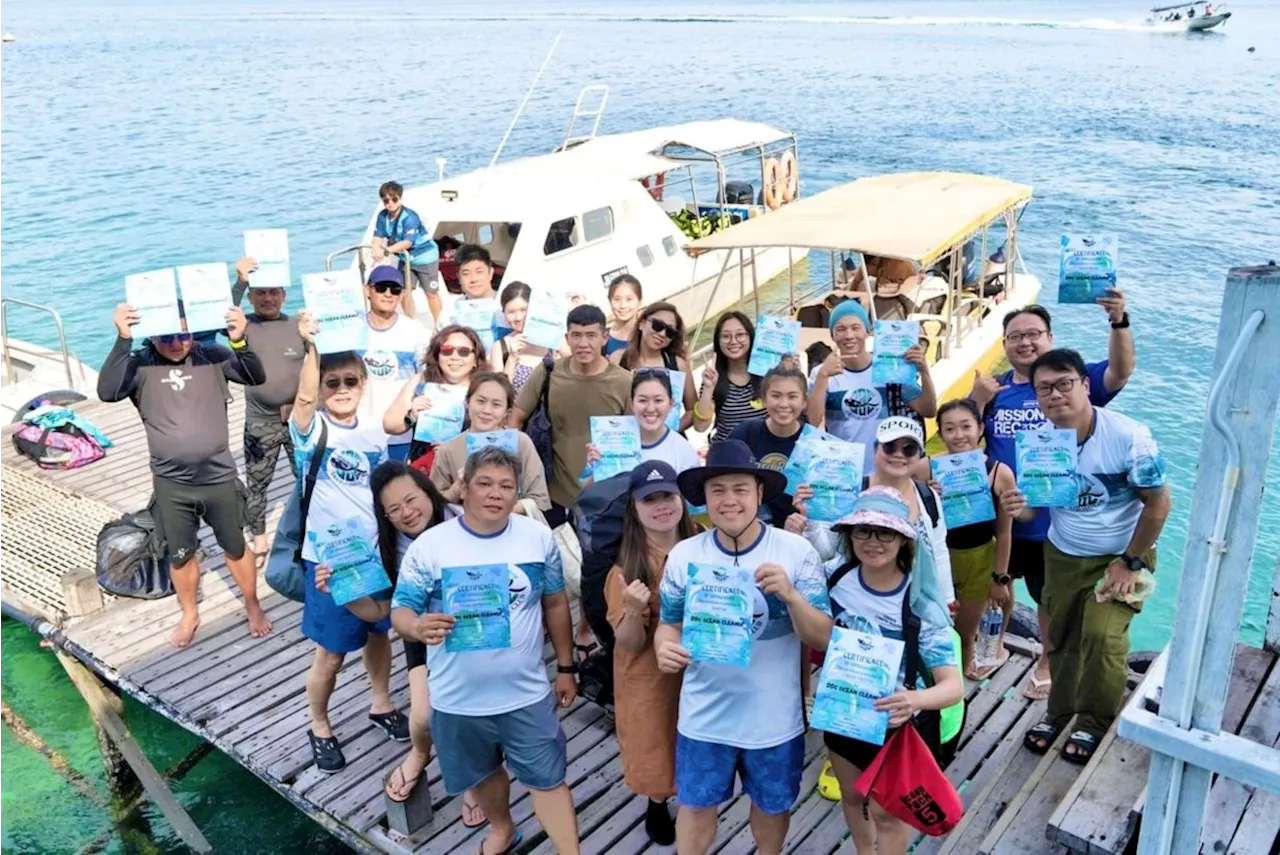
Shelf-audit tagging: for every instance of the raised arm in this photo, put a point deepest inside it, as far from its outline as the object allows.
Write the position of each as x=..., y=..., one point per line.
x=1122, y=356
x=119, y=375
x=244, y=267
x=926, y=403
x=817, y=406
x=244, y=366
x=304, y=403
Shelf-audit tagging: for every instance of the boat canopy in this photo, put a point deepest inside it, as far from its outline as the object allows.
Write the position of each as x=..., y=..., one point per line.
x=1181, y=6
x=716, y=137
x=914, y=216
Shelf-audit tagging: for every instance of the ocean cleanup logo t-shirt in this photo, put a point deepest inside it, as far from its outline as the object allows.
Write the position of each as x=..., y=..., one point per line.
x=392, y=358
x=855, y=407
x=342, y=485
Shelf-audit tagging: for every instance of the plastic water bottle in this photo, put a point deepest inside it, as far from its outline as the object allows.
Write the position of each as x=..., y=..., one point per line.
x=987, y=651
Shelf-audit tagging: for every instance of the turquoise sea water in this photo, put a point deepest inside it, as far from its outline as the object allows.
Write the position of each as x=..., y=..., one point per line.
x=149, y=134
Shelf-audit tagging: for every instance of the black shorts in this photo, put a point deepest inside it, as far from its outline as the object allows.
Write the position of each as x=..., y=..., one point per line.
x=1026, y=562
x=415, y=654
x=854, y=751
x=178, y=509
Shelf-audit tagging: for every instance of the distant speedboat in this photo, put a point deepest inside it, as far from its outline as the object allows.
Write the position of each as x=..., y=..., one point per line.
x=1195, y=16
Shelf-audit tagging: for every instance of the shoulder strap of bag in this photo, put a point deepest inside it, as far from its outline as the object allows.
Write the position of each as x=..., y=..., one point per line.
x=834, y=578
x=544, y=399
x=927, y=501
x=911, y=641
x=313, y=471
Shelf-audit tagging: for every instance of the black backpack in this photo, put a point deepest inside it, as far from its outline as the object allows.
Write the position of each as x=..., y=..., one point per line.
x=131, y=559
x=597, y=518
x=538, y=425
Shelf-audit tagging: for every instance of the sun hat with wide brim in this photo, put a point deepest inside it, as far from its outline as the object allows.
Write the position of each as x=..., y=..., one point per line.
x=879, y=507
x=729, y=457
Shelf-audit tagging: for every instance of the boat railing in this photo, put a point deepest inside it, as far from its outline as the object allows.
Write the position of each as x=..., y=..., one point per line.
x=592, y=115
x=358, y=249
x=10, y=374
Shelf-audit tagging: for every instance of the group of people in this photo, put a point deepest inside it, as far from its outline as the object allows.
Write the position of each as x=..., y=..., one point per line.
x=687, y=729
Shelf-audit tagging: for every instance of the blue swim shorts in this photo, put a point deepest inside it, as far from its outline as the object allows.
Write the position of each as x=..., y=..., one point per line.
x=331, y=626
x=399, y=451
x=770, y=776
x=472, y=747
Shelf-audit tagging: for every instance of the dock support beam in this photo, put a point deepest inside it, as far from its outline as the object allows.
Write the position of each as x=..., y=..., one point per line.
x=105, y=709
x=1230, y=478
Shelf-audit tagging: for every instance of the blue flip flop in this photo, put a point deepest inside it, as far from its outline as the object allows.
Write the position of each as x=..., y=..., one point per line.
x=515, y=842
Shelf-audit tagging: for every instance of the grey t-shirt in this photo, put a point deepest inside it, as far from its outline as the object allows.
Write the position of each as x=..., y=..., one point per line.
x=279, y=346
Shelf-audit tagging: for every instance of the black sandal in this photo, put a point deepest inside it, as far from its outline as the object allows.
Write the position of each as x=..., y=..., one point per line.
x=582, y=651
x=1085, y=744
x=1040, y=738
x=393, y=724
x=327, y=753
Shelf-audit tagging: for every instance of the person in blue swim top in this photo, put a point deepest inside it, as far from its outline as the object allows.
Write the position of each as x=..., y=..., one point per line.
x=841, y=392
x=399, y=232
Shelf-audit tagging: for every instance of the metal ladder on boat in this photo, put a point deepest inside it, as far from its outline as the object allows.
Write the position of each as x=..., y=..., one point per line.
x=10, y=375
x=592, y=115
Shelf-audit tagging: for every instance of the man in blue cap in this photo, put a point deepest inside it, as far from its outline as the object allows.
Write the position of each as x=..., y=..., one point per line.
x=842, y=394
x=739, y=721
x=394, y=352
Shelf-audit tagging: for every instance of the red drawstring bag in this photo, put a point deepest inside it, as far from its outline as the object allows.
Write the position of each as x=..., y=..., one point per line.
x=905, y=780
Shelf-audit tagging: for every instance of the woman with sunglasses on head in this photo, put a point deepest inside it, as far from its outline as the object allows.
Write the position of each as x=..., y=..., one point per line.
x=872, y=586
x=625, y=298
x=453, y=356
x=647, y=700
x=658, y=342
x=489, y=401
x=730, y=395
x=512, y=355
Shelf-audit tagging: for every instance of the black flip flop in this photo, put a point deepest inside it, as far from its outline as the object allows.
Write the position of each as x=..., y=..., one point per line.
x=1085, y=744
x=1042, y=732
x=393, y=724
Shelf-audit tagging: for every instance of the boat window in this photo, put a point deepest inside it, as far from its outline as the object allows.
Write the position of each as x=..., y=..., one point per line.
x=597, y=224
x=485, y=235
x=669, y=244
x=562, y=235
x=645, y=255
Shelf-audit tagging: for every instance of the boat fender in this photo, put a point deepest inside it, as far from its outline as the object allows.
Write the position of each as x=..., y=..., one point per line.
x=654, y=185
x=57, y=397
x=790, y=176
x=773, y=184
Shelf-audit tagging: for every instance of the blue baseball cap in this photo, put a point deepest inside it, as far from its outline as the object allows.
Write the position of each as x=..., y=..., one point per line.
x=386, y=273
x=653, y=476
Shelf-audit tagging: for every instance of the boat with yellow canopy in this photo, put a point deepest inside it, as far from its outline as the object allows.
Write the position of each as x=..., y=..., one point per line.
x=936, y=247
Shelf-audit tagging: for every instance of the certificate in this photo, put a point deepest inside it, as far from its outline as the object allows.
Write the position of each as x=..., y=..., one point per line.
x=507, y=440
x=834, y=473
x=336, y=302
x=442, y=421
x=966, y=493
x=893, y=340
x=1087, y=267
x=859, y=670
x=718, y=606
x=797, y=467
x=617, y=438
x=206, y=295
x=544, y=320
x=478, y=315
x=1046, y=460
x=479, y=599
x=348, y=551
x=677, y=399
x=775, y=338
x=270, y=248
x=154, y=296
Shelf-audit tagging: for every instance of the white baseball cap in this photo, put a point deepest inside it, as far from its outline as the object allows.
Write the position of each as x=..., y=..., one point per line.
x=898, y=427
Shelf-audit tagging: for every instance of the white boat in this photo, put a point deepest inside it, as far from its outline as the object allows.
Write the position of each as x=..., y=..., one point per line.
x=602, y=205
x=32, y=371
x=1195, y=17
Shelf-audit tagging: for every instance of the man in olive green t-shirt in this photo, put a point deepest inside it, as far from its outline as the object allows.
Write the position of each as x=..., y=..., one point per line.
x=583, y=384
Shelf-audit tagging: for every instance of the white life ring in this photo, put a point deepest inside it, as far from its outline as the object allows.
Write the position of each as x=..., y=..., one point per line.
x=774, y=185
x=790, y=176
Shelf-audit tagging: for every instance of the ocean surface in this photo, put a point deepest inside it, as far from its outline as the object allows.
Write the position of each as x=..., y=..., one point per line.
x=145, y=134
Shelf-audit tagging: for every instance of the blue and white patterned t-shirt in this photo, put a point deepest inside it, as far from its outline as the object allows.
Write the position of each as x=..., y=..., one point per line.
x=392, y=358
x=342, y=485
x=758, y=706
x=485, y=682
x=855, y=407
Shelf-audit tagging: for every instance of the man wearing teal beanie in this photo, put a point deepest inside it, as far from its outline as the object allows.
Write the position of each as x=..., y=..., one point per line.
x=842, y=395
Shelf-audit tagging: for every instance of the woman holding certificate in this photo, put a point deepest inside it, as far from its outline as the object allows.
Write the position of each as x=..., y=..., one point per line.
x=874, y=607
x=647, y=700
x=658, y=342
x=730, y=394
x=513, y=354
x=454, y=355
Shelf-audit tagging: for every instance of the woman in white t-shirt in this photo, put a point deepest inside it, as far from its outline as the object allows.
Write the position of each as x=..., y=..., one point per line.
x=651, y=404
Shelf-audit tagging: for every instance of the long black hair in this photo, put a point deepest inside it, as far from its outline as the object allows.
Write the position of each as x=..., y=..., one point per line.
x=633, y=556
x=386, y=472
x=721, y=390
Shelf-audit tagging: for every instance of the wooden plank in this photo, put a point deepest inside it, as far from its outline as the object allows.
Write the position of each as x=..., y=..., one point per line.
x=1022, y=826
x=238, y=653
x=1259, y=830
x=735, y=816
x=608, y=836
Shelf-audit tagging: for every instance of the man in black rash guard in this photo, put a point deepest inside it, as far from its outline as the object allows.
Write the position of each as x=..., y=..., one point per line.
x=180, y=389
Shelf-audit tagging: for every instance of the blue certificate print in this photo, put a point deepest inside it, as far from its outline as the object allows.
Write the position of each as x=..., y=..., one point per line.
x=617, y=438
x=345, y=549
x=270, y=248
x=478, y=315
x=1046, y=461
x=1087, y=267
x=966, y=493
x=507, y=440
x=206, y=295
x=336, y=303
x=859, y=669
x=479, y=599
x=544, y=320
x=442, y=421
x=797, y=466
x=893, y=340
x=834, y=473
x=718, y=605
x=154, y=296
x=775, y=338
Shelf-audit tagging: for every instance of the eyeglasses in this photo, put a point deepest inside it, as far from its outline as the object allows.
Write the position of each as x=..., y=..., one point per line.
x=883, y=535
x=351, y=381
x=1063, y=385
x=661, y=327
x=906, y=447
x=1029, y=335
x=731, y=338
x=174, y=338
x=461, y=350
x=384, y=287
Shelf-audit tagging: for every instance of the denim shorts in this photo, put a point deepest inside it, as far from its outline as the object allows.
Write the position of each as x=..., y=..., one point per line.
x=770, y=776
x=473, y=747
x=398, y=451
x=331, y=626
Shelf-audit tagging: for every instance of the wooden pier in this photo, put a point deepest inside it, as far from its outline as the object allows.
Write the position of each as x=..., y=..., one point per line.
x=246, y=697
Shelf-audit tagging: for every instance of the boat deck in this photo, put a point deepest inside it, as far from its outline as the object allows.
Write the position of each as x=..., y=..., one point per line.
x=246, y=697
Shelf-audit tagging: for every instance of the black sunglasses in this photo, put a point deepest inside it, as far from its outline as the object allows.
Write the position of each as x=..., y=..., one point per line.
x=384, y=287
x=908, y=448
x=661, y=327
x=351, y=381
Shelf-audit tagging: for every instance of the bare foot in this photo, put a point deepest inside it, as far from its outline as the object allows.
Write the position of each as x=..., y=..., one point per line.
x=259, y=623
x=185, y=630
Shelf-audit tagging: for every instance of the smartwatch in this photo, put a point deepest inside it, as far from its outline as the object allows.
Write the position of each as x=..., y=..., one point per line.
x=1001, y=578
x=1122, y=324
x=1134, y=564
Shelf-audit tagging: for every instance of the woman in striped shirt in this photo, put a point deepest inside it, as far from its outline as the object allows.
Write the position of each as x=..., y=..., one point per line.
x=730, y=395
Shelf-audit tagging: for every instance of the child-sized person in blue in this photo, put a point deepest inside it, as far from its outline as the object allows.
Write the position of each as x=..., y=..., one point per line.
x=400, y=232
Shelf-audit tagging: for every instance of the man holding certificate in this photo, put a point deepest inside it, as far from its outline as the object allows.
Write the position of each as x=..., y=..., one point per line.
x=393, y=351
x=478, y=591
x=737, y=605
x=1099, y=551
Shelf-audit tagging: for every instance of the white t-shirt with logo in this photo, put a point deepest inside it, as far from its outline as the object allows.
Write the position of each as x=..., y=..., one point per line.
x=758, y=706
x=672, y=449
x=485, y=682
x=855, y=406
x=1119, y=458
x=392, y=357
x=342, y=485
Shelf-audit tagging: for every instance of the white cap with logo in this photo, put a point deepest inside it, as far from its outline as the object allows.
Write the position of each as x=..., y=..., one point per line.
x=899, y=427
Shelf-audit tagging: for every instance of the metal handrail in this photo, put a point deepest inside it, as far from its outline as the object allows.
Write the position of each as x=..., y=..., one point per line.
x=11, y=375
x=358, y=249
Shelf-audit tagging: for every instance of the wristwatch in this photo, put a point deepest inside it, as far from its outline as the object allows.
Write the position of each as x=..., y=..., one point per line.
x=567, y=669
x=1122, y=324
x=1134, y=564
x=1001, y=578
